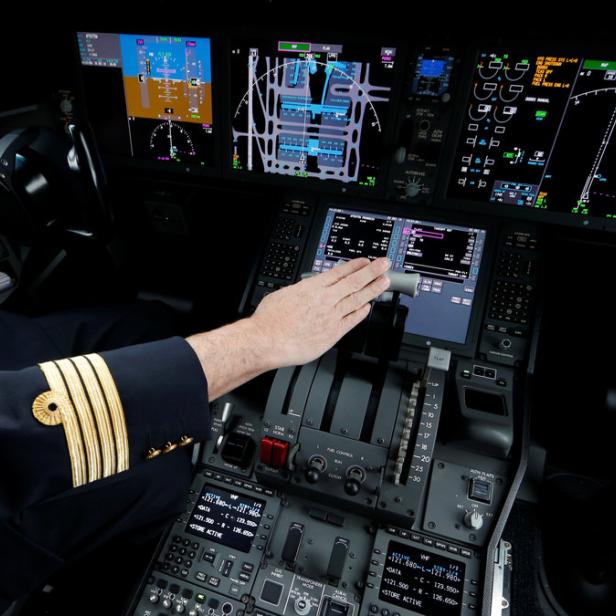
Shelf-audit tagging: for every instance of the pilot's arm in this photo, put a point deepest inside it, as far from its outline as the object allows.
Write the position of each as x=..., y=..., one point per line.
x=81, y=437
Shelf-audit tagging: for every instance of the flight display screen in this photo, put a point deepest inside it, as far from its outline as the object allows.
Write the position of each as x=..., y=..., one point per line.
x=150, y=97
x=448, y=258
x=539, y=133
x=311, y=109
x=227, y=518
x=432, y=74
x=422, y=582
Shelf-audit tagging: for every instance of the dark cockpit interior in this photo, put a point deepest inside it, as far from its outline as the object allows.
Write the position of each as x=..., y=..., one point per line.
x=453, y=455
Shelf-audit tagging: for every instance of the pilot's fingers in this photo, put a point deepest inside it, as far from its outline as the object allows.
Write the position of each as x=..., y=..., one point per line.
x=360, y=278
x=355, y=318
x=341, y=271
x=357, y=299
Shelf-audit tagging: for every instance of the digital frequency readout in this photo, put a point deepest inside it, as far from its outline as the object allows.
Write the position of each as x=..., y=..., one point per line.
x=227, y=518
x=422, y=582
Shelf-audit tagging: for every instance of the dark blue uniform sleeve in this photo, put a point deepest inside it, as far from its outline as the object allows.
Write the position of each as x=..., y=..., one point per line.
x=70, y=422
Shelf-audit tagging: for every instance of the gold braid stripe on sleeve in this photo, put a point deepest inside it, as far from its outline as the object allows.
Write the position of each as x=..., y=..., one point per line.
x=86, y=420
x=101, y=413
x=57, y=401
x=116, y=411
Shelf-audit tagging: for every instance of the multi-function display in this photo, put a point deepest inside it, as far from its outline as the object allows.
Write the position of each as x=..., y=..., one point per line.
x=448, y=257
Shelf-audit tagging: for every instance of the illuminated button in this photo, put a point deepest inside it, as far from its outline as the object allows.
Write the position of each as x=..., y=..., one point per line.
x=214, y=581
x=440, y=545
x=201, y=576
x=200, y=597
x=466, y=553
x=210, y=557
x=245, y=577
x=249, y=567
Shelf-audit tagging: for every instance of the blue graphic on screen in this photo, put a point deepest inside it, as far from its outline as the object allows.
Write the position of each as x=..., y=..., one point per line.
x=432, y=75
x=448, y=258
x=168, y=56
x=431, y=68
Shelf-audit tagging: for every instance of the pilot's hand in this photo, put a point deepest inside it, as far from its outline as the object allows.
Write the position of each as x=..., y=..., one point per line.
x=291, y=326
x=304, y=320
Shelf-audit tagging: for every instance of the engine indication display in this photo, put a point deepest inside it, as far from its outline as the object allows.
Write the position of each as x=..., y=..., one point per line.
x=539, y=133
x=227, y=518
x=422, y=582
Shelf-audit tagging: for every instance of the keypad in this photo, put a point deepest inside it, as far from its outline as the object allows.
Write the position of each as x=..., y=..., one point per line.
x=279, y=261
x=511, y=302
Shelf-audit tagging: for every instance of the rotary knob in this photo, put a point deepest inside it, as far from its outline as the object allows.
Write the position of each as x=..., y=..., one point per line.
x=167, y=602
x=301, y=606
x=412, y=189
x=153, y=598
x=473, y=520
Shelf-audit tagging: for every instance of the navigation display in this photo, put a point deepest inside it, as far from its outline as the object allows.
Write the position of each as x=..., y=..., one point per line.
x=539, y=133
x=150, y=97
x=227, y=518
x=422, y=582
x=448, y=257
x=311, y=108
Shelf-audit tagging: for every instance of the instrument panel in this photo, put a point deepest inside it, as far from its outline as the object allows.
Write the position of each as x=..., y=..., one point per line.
x=520, y=132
